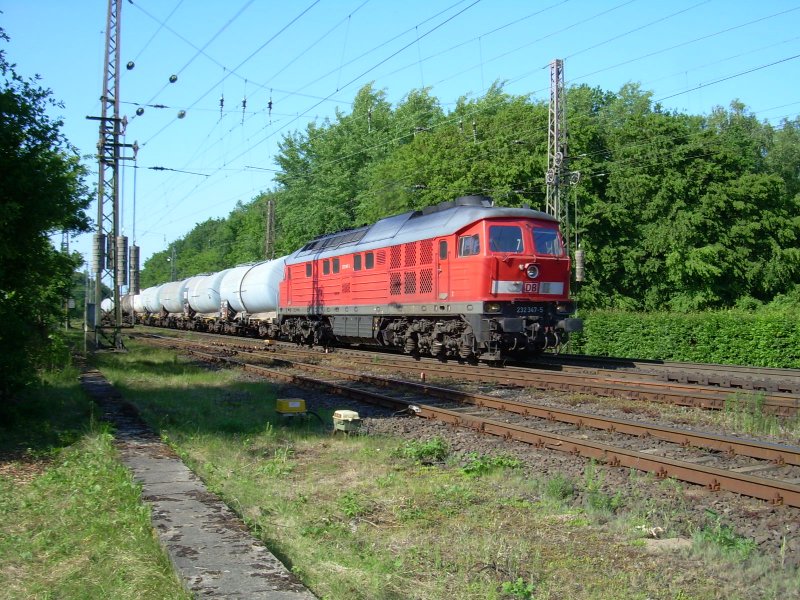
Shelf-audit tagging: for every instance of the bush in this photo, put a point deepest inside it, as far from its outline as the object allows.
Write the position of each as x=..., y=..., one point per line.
x=768, y=337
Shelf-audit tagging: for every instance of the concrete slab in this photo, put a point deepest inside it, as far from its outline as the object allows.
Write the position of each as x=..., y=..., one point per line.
x=209, y=545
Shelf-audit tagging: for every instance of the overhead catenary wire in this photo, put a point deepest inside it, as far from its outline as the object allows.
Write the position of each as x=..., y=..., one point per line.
x=434, y=28
x=161, y=25
x=538, y=182
x=407, y=45
x=686, y=43
x=225, y=165
x=237, y=67
x=201, y=51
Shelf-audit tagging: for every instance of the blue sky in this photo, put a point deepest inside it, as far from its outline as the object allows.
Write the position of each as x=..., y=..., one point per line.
x=311, y=56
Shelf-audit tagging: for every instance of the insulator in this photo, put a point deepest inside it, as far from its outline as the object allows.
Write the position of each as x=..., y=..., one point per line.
x=133, y=266
x=122, y=260
x=580, y=265
x=109, y=252
x=98, y=252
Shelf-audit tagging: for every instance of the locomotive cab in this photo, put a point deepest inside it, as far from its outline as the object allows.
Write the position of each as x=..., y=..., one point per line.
x=520, y=268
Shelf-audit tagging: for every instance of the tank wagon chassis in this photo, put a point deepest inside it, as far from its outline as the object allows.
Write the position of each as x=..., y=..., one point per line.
x=463, y=279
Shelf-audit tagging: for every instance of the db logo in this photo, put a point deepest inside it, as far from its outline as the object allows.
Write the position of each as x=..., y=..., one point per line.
x=530, y=287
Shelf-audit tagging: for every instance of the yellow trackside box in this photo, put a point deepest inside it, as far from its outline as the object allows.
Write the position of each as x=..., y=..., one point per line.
x=346, y=420
x=291, y=406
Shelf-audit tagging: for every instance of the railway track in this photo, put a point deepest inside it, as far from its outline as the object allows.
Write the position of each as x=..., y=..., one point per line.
x=764, y=379
x=717, y=462
x=651, y=385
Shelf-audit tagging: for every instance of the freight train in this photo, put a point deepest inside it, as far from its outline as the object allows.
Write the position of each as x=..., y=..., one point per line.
x=462, y=279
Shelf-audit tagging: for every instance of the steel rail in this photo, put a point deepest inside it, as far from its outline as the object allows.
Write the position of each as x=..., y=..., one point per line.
x=778, y=454
x=785, y=405
x=772, y=490
x=629, y=385
x=714, y=370
x=775, y=491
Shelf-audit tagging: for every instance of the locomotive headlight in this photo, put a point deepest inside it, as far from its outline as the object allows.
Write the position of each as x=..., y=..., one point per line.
x=565, y=308
x=532, y=271
x=492, y=307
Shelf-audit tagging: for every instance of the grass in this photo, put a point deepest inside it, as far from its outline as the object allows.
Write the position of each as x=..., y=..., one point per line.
x=745, y=411
x=71, y=521
x=380, y=518
x=724, y=539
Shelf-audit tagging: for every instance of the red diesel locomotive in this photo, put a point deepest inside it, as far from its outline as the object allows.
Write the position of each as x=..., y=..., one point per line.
x=460, y=279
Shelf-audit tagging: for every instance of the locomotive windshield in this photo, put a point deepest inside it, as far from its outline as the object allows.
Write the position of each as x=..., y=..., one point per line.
x=547, y=241
x=505, y=238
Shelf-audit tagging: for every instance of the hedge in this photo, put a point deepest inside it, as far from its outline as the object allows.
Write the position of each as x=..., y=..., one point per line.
x=767, y=338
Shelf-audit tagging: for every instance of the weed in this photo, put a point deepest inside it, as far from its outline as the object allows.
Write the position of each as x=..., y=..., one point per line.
x=559, y=488
x=411, y=513
x=746, y=411
x=386, y=481
x=453, y=499
x=725, y=538
x=518, y=589
x=279, y=465
x=596, y=498
x=432, y=450
x=482, y=464
x=352, y=505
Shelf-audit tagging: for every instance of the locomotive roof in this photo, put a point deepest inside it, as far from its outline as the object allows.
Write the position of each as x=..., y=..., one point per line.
x=442, y=219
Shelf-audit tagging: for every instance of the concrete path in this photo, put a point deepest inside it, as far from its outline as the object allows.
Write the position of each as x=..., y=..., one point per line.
x=209, y=545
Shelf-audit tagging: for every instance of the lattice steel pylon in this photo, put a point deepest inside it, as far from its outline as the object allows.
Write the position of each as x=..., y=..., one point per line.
x=107, y=260
x=558, y=176
x=556, y=143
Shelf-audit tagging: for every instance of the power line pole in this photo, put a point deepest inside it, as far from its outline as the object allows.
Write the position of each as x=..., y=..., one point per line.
x=269, y=237
x=558, y=176
x=109, y=258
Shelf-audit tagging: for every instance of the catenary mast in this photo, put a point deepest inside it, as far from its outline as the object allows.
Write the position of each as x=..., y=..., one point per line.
x=110, y=248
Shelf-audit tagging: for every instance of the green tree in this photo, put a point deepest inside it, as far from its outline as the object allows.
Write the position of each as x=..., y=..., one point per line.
x=675, y=211
x=42, y=192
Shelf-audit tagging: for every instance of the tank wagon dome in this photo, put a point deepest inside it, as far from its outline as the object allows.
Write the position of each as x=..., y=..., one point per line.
x=171, y=296
x=442, y=219
x=204, y=292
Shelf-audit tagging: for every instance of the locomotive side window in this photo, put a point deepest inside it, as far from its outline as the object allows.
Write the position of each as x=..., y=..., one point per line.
x=335, y=265
x=308, y=269
x=505, y=238
x=369, y=260
x=547, y=241
x=469, y=245
x=356, y=262
x=443, y=249
x=326, y=267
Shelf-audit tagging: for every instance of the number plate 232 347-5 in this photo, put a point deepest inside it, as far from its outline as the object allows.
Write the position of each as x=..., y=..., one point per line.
x=529, y=310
